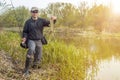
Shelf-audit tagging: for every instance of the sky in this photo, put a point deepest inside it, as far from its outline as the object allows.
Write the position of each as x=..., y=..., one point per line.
x=43, y=3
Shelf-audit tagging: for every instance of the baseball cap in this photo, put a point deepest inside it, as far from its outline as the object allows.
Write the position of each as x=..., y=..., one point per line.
x=34, y=9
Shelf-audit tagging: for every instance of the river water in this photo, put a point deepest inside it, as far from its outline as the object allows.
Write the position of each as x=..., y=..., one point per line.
x=107, y=52
x=109, y=69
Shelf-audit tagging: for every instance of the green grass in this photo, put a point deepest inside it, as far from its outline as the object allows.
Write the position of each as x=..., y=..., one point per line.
x=59, y=62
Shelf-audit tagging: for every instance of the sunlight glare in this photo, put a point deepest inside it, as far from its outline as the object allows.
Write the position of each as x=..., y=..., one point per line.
x=116, y=6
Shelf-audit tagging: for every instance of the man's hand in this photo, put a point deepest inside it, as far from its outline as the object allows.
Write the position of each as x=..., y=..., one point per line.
x=23, y=40
x=53, y=18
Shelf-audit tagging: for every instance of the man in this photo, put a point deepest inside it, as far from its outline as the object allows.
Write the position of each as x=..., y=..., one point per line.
x=33, y=33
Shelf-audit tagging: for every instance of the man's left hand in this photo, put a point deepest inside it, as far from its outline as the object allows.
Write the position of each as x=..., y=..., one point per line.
x=53, y=18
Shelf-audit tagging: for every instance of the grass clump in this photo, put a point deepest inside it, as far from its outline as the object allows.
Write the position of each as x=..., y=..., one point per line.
x=59, y=62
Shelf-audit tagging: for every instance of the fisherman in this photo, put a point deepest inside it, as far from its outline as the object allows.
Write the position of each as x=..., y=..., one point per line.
x=33, y=33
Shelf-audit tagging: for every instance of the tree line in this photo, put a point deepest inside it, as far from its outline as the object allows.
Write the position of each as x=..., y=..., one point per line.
x=96, y=17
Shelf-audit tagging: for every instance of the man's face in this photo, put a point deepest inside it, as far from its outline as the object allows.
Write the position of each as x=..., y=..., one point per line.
x=34, y=14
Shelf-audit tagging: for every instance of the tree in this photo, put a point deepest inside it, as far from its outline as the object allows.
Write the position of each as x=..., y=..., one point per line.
x=65, y=12
x=14, y=18
x=70, y=15
x=99, y=16
x=83, y=15
x=21, y=14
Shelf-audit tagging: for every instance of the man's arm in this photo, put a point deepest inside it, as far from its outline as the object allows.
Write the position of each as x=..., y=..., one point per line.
x=47, y=22
x=25, y=32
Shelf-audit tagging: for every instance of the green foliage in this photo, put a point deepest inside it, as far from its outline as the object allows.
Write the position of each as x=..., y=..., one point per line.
x=22, y=14
x=14, y=18
x=65, y=12
x=82, y=16
x=96, y=17
x=9, y=18
x=66, y=62
x=99, y=16
x=10, y=43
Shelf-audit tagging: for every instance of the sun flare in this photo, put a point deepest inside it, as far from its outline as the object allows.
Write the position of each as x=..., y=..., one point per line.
x=116, y=6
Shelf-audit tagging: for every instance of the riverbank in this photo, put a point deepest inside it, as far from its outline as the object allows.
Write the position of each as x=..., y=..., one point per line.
x=59, y=62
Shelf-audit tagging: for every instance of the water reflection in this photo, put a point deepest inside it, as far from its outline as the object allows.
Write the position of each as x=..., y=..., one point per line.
x=93, y=48
x=107, y=53
x=108, y=70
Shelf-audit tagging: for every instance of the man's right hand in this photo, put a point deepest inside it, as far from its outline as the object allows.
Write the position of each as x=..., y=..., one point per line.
x=23, y=40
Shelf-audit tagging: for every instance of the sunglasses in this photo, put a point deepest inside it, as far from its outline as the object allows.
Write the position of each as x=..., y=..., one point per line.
x=34, y=11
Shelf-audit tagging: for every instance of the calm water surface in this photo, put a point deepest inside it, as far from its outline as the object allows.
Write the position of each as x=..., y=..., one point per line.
x=107, y=52
x=108, y=70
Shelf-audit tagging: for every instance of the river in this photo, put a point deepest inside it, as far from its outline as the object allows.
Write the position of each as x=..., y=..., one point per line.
x=107, y=52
